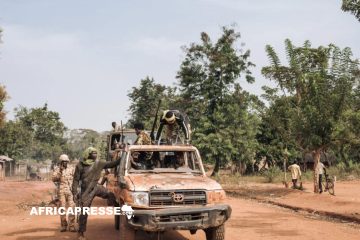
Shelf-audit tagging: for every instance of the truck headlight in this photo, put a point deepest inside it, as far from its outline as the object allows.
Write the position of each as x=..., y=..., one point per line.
x=140, y=198
x=216, y=196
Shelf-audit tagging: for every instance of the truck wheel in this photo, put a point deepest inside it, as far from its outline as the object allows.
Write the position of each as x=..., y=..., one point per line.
x=117, y=222
x=126, y=232
x=215, y=233
x=117, y=218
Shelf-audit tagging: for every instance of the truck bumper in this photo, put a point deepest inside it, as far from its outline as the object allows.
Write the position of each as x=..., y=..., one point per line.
x=189, y=218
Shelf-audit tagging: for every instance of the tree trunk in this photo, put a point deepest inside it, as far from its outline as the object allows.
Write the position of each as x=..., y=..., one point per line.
x=284, y=168
x=217, y=167
x=316, y=157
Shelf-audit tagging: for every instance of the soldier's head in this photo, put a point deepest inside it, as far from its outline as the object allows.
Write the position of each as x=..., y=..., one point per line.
x=93, y=155
x=64, y=159
x=169, y=117
x=138, y=127
x=90, y=153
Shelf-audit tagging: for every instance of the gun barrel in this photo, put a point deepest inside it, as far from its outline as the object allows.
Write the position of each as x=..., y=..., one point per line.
x=152, y=134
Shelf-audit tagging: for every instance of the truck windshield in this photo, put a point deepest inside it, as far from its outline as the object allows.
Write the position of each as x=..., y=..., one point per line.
x=161, y=161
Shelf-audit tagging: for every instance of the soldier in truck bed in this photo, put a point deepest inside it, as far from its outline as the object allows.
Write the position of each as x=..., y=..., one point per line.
x=143, y=159
x=174, y=120
x=88, y=171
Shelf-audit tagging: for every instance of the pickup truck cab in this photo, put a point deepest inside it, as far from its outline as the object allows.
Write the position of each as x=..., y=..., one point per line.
x=173, y=194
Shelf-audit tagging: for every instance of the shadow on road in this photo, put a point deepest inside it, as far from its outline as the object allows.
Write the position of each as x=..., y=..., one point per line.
x=98, y=228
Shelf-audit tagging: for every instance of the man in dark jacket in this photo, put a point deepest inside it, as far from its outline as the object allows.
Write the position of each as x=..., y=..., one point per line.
x=88, y=172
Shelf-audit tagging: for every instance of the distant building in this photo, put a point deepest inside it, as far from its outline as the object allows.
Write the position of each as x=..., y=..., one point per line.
x=308, y=161
x=7, y=167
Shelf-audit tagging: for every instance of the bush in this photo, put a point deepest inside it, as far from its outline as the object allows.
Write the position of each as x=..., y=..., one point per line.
x=343, y=171
x=272, y=173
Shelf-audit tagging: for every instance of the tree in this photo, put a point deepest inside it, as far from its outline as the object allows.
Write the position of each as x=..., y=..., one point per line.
x=144, y=100
x=45, y=131
x=321, y=84
x=241, y=112
x=15, y=141
x=3, y=98
x=45, y=124
x=352, y=6
x=79, y=139
x=206, y=77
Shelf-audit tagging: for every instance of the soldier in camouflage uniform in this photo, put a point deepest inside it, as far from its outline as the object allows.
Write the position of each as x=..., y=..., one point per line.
x=143, y=159
x=143, y=138
x=63, y=176
x=174, y=121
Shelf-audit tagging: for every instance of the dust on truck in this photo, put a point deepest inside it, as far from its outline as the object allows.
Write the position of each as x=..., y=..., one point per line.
x=174, y=194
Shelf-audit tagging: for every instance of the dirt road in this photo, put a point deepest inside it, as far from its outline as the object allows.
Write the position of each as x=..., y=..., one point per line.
x=250, y=220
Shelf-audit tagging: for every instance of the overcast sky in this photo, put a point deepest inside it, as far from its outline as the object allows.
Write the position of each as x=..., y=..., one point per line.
x=83, y=57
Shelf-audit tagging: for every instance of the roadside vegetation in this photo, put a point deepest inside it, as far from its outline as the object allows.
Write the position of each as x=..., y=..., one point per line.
x=311, y=105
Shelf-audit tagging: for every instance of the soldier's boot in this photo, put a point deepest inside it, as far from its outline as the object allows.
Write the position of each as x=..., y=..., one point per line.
x=81, y=236
x=63, y=223
x=72, y=223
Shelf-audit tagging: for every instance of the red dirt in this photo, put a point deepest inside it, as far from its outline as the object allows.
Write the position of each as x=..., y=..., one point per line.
x=250, y=219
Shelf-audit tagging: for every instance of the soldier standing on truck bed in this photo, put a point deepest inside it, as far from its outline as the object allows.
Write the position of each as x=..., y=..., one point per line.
x=88, y=172
x=143, y=159
x=174, y=120
x=63, y=176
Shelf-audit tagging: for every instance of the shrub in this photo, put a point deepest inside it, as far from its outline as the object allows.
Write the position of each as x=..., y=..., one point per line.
x=272, y=173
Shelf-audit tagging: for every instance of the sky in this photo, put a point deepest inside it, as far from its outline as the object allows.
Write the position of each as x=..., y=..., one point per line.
x=83, y=57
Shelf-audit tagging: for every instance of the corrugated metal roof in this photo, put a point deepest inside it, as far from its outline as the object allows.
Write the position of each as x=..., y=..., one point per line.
x=5, y=158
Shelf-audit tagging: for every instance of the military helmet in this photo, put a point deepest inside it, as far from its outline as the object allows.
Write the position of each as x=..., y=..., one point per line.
x=64, y=158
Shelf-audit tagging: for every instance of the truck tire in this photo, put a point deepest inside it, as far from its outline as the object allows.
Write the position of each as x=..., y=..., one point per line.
x=117, y=218
x=215, y=233
x=117, y=222
x=126, y=232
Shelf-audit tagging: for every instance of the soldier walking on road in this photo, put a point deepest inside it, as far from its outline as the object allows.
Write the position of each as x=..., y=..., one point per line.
x=63, y=176
x=88, y=172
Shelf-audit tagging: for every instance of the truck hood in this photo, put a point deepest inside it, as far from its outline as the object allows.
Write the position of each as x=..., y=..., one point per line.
x=169, y=181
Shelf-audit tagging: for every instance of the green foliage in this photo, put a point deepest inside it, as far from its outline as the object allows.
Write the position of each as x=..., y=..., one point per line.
x=272, y=173
x=15, y=141
x=36, y=133
x=275, y=136
x=352, y=6
x=320, y=83
x=144, y=100
x=3, y=98
x=211, y=96
x=43, y=123
x=80, y=139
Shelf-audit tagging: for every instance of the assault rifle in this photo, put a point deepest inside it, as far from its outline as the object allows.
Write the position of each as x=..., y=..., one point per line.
x=152, y=134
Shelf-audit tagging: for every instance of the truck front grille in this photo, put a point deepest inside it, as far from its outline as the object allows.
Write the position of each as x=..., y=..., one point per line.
x=177, y=197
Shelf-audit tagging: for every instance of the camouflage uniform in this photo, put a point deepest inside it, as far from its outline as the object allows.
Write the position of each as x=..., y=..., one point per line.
x=177, y=122
x=65, y=178
x=143, y=139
